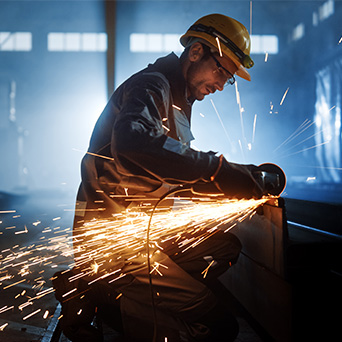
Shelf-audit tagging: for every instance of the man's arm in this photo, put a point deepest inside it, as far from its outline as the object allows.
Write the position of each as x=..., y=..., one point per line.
x=139, y=140
x=139, y=144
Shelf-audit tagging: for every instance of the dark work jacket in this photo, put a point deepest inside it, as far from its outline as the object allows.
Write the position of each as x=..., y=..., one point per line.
x=142, y=140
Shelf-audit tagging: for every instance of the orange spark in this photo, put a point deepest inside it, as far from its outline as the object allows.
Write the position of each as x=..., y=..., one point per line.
x=176, y=107
x=219, y=46
x=31, y=314
x=282, y=100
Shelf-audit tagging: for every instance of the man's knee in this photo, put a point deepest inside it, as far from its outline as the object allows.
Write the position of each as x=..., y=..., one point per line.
x=78, y=310
x=234, y=247
x=82, y=333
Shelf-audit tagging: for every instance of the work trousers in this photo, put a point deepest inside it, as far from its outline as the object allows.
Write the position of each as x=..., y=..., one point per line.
x=186, y=309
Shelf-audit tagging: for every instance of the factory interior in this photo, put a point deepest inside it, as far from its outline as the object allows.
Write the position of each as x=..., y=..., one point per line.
x=60, y=61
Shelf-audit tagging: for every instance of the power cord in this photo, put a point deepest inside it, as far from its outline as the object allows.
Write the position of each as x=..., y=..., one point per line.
x=180, y=188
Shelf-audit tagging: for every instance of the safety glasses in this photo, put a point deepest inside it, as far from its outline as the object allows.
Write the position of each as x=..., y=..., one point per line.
x=224, y=71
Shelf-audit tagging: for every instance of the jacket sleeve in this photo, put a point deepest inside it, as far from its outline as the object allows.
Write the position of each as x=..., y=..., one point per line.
x=139, y=141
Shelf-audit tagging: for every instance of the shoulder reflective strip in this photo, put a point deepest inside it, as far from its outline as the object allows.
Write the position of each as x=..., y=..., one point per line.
x=174, y=145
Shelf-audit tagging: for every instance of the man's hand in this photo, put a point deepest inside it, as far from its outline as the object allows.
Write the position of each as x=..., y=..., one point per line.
x=243, y=181
x=237, y=180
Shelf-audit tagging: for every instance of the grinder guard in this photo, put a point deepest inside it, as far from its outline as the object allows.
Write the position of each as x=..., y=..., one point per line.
x=271, y=178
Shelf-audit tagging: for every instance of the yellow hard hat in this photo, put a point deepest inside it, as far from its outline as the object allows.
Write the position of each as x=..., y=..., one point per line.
x=234, y=39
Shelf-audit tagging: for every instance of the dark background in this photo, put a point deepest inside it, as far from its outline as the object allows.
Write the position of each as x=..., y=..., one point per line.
x=58, y=95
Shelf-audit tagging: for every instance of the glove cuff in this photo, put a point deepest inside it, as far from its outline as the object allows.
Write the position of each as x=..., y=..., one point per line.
x=212, y=178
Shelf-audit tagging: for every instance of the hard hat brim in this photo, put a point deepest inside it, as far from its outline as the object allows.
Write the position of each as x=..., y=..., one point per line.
x=241, y=72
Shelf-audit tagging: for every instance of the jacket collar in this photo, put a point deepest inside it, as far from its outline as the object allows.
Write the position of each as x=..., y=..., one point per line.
x=170, y=67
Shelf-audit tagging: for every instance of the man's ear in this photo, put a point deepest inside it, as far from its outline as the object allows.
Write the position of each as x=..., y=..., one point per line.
x=196, y=52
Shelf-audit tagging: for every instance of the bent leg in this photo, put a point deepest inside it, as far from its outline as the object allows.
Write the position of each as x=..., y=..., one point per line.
x=186, y=309
x=211, y=258
x=78, y=310
x=174, y=290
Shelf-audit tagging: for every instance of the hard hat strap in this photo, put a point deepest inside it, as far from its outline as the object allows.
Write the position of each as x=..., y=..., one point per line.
x=245, y=60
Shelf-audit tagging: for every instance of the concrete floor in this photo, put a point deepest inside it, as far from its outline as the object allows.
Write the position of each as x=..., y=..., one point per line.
x=26, y=223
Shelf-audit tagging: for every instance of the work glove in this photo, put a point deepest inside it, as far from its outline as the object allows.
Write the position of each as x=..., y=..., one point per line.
x=236, y=180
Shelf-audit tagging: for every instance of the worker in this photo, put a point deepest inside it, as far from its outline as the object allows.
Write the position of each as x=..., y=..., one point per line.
x=140, y=146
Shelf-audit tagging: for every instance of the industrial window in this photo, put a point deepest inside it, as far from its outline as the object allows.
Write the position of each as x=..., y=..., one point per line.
x=298, y=32
x=328, y=143
x=15, y=41
x=154, y=42
x=75, y=41
x=264, y=43
x=324, y=11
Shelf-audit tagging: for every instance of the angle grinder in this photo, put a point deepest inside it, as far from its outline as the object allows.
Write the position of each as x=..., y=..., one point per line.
x=271, y=178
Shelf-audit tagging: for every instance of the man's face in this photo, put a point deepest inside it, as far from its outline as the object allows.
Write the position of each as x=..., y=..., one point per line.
x=204, y=77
